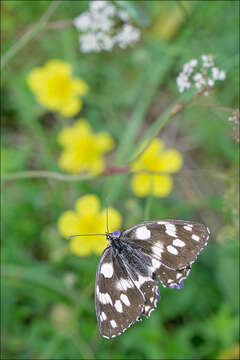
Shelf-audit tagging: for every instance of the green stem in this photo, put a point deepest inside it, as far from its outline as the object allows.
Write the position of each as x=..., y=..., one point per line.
x=29, y=34
x=148, y=207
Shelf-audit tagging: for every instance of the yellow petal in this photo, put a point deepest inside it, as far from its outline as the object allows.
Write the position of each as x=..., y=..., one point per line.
x=150, y=157
x=88, y=204
x=59, y=66
x=68, y=224
x=70, y=134
x=171, y=161
x=141, y=184
x=114, y=219
x=36, y=79
x=162, y=185
x=70, y=107
x=100, y=245
x=97, y=165
x=69, y=162
x=104, y=142
x=80, y=246
x=80, y=86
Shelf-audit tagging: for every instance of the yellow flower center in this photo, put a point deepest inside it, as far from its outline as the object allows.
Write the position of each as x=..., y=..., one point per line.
x=59, y=86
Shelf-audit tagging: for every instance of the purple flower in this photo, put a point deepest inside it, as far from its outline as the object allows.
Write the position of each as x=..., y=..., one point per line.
x=178, y=286
x=116, y=233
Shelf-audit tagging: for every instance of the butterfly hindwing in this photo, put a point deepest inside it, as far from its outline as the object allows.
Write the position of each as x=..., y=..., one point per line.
x=119, y=303
x=151, y=294
x=172, y=278
x=174, y=243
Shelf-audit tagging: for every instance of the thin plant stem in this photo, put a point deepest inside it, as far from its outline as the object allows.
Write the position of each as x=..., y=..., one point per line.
x=35, y=29
x=148, y=204
x=51, y=175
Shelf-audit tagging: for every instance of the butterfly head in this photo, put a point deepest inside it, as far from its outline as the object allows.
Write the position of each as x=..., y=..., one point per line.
x=114, y=235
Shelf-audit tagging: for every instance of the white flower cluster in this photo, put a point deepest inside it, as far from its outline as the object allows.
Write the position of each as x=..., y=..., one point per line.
x=202, y=75
x=99, y=28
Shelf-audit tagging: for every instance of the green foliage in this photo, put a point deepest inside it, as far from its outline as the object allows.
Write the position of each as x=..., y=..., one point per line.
x=48, y=293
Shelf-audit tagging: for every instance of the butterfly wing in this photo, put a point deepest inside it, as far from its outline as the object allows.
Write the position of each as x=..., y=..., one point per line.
x=119, y=303
x=172, y=278
x=174, y=243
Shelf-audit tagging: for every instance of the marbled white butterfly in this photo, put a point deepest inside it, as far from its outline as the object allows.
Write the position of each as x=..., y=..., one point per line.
x=127, y=276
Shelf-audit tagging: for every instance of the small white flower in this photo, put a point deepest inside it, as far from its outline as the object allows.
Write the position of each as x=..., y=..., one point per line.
x=193, y=62
x=211, y=82
x=202, y=76
x=218, y=74
x=128, y=35
x=98, y=5
x=207, y=60
x=83, y=22
x=123, y=15
x=88, y=43
x=99, y=28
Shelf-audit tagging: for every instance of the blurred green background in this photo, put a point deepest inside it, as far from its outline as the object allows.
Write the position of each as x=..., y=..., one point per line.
x=47, y=292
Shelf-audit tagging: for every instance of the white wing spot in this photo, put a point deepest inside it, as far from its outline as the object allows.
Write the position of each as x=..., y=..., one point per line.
x=125, y=299
x=208, y=230
x=113, y=323
x=156, y=263
x=143, y=233
x=172, y=250
x=178, y=243
x=178, y=275
x=146, y=308
x=118, y=306
x=170, y=230
x=107, y=270
x=104, y=316
x=104, y=298
x=123, y=284
x=151, y=299
x=169, y=281
x=195, y=237
x=141, y=280
x=188, y=228
x=150, y=311
x=157, y=249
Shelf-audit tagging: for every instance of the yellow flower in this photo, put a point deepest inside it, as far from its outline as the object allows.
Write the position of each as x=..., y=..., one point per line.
x=83, y=150
x=55, y=87
x=88, y=219
x=155, y=159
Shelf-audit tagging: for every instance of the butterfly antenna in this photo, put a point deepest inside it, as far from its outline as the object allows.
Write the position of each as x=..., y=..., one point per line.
x=72, y=236
x=107, y=201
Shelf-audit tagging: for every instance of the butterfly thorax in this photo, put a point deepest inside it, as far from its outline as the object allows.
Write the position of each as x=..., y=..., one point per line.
x=136, y=263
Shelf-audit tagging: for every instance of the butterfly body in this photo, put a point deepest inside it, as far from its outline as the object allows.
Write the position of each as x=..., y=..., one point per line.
x=128, y=272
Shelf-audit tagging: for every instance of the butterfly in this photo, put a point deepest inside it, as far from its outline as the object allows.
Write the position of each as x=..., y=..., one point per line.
x=129, y=269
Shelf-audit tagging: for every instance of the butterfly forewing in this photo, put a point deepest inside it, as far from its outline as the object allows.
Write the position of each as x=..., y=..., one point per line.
x=119, y=303
x=174, y=243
